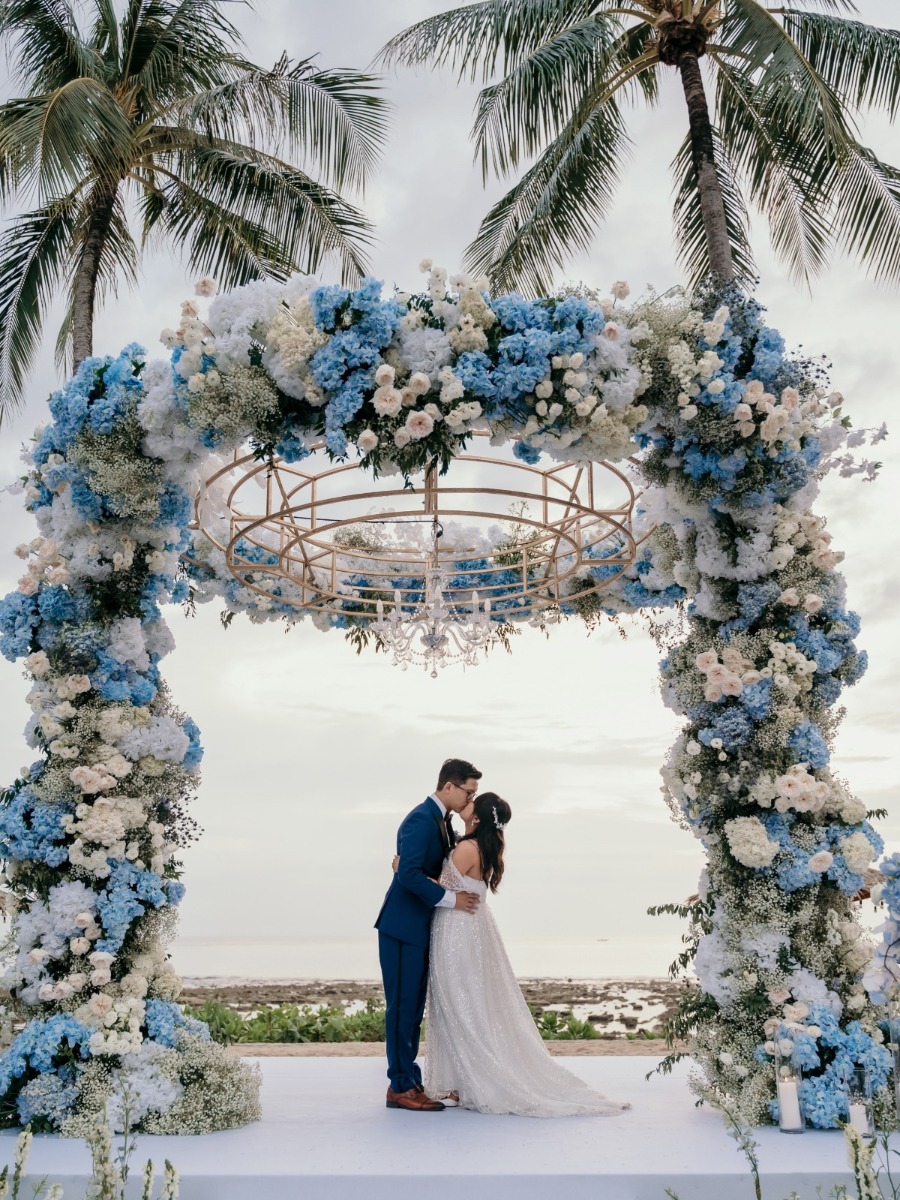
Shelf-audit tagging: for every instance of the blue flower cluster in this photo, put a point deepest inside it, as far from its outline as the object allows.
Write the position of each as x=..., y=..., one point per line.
x=345, y=366
x=791, y=866
x=49, y=1097
x=824, y=1092
x=164, y=1022
x=808, y=744
x=38, y=1046
x=127, y=893
x=33, y=830
x=99, y=394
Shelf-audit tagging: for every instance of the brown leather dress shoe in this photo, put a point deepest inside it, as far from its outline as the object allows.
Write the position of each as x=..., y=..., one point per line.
x=415, y=1100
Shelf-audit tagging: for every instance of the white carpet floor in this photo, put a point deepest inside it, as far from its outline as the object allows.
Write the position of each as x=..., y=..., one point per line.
x=326, y=1135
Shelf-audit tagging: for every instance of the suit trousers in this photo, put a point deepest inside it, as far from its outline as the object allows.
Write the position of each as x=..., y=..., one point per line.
x=404, y=971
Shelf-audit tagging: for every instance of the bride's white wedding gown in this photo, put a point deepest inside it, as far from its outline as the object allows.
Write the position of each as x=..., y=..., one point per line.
x=481, y=1038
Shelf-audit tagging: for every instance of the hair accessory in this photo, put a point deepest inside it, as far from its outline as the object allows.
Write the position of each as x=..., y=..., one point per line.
x=500, y=824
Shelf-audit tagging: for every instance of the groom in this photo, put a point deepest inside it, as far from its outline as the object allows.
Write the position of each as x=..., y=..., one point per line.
x=424, y=839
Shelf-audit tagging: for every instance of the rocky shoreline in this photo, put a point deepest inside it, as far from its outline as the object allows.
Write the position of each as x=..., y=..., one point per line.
x=615, y=1007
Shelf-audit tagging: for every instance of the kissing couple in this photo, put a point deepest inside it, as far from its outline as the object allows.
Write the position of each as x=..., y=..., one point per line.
x=438, y=941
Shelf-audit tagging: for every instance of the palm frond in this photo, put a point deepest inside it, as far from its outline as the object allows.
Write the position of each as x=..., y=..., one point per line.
x=785, y=172
x=105, y=35
x=34, y=261
x=555, y=207
x=286, y=220
x=867, y=212
x=174, y=49
x=52, y=141
x=796, y=96
x=497, y=34
x=339, y=120
x=629, y=47
x=47, y=49
x=690, y=231
x=333, y=118
x=860, y=63
x=517, y=116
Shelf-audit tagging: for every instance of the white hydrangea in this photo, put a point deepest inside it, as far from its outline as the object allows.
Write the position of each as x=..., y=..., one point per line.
x=749, y=842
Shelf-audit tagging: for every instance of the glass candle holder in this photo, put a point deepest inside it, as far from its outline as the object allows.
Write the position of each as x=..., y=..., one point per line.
x=859, y=1102
x=787, y=1088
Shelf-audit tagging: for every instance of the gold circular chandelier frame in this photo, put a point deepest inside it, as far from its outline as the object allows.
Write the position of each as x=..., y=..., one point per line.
x=320, y=533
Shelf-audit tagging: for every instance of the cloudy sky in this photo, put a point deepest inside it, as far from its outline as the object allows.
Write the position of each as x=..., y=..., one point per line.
x=314, y=755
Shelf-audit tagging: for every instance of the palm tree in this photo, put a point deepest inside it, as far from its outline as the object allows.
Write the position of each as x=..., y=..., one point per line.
x=790, y=82
x=153, y=125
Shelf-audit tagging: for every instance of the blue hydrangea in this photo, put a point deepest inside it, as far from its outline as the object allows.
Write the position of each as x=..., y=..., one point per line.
x=756, y=698
x=19, y=617
x=731, y=725
x=808, y=744
x=50, y=1097
x=39, y=1045
x=165, y=1021
x=194, y=754
x=31, y=829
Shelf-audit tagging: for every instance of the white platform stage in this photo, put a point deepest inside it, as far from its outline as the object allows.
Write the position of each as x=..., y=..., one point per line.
x=326, y=1135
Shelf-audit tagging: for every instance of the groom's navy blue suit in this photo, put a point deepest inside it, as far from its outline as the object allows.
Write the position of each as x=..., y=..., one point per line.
x=404, y=933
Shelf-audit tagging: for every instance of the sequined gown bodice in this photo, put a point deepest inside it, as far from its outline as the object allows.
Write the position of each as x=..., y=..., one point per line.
x=481, y=1038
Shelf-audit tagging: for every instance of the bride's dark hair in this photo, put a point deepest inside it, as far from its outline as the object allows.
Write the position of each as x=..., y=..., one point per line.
x=493, y=815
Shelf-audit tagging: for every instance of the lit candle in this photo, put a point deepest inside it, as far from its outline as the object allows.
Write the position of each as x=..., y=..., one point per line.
x=789, y=1116
x=397, y=597
x=859, y=1117
x=379, y=608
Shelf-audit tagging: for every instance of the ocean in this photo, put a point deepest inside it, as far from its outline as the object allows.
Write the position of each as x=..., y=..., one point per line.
x=639, y=957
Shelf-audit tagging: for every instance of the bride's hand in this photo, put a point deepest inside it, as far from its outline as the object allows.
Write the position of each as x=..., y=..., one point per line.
x=395, y=863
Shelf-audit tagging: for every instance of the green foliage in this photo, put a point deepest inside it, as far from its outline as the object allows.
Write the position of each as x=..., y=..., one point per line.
x=293, y=1023
x=788, y=85
x=553, y=1027
x=153, y=108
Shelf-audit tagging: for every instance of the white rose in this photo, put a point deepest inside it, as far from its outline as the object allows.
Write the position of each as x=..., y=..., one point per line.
x=79, y=945
x=419, y=425
x=820, y=862
x=401, y=439
x=620, y=290
x=367, y=441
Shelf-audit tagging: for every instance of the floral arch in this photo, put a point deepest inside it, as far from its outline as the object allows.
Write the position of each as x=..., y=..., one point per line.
x=729, y=435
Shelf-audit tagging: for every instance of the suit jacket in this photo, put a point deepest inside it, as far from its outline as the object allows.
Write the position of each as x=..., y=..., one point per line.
x=422, y=844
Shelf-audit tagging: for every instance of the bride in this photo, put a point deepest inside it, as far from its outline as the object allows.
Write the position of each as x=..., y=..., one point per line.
x=484, y=1050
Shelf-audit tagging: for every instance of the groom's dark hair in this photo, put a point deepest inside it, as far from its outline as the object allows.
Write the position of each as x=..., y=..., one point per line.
x=456, y=770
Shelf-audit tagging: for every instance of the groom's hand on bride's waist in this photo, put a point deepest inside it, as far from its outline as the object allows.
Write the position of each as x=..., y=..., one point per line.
x=467, y=901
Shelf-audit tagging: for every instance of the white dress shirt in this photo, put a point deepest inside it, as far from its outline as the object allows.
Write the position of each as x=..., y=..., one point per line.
x=448, y=900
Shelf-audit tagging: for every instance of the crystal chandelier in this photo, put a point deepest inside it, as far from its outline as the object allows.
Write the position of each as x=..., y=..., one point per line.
x=436, y=633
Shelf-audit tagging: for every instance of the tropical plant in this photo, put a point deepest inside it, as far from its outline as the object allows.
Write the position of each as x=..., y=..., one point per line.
x=790, y=84
x=152, y=125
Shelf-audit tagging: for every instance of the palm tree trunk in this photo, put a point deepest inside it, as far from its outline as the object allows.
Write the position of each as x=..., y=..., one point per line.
x=84, y=286
x=712, y=203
